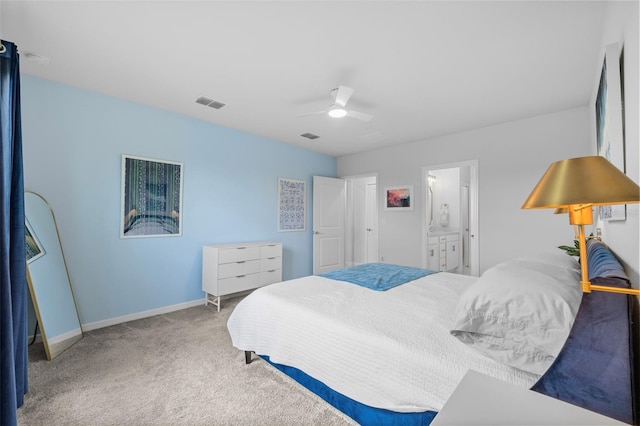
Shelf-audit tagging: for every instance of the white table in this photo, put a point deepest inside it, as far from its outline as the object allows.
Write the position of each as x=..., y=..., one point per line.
x=483, y=400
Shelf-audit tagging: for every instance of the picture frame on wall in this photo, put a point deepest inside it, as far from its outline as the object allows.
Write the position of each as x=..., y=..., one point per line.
x=398, y=198
x=151, y=198
x=292, y=205
x=609, y=122
x=33, y=245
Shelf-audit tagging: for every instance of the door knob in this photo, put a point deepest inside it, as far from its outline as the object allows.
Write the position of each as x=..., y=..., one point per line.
x=369, y=229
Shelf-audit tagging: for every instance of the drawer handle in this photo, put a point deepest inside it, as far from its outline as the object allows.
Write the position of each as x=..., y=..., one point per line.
x=241, y=261
x=240, y=276
x=273, y=270
x=271, y=257
x=241, y=248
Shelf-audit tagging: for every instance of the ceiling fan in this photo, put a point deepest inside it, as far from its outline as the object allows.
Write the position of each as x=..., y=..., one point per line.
x=339, y=109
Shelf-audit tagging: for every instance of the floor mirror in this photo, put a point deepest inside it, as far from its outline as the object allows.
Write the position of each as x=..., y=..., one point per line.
x=48, y=278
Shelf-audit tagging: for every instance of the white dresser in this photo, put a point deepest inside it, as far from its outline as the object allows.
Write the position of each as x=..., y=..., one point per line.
x=231, y=268
x=443, y=252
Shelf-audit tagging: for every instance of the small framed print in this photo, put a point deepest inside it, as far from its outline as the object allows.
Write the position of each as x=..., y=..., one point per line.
x=292, y=205
x=398, y=198
x=33, y=246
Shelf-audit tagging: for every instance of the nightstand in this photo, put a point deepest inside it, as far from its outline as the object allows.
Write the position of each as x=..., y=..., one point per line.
x=483, y=400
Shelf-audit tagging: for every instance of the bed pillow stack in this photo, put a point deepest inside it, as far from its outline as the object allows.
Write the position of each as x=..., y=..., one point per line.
x=520, y=312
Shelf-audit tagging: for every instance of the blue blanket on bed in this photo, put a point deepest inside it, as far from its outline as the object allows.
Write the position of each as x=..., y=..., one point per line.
x=378, y=276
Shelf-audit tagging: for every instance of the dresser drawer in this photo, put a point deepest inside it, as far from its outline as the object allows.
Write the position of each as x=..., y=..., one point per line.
x=273, y=250
x=236, y=284
x=270, y=264
x=242, y=267
x=270, y=277
x=238, y=254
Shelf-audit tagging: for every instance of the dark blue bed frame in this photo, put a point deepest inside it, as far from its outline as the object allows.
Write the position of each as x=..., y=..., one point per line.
x=596, y=369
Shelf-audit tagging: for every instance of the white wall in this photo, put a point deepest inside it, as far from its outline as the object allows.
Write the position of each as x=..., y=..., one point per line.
x=511, y=159
x=621, y=26
x=446, y=190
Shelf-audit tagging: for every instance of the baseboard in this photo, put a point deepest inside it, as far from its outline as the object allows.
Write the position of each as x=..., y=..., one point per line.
x=38, y=338
x=139, y=315
x=65, y=336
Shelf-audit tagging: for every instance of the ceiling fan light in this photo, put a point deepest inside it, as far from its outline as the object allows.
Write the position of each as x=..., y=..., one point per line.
x=337, y=112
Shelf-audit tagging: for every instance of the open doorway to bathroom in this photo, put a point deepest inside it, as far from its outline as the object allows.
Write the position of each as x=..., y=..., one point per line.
x=450, y=230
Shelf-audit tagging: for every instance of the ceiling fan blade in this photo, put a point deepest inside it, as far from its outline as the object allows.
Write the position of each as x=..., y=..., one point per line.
x=312, y=113
x=343, y=94
x=359, y=115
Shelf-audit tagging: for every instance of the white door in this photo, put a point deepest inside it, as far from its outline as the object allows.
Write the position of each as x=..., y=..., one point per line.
x=372, y=222
x=464, y=203
x=328, y=224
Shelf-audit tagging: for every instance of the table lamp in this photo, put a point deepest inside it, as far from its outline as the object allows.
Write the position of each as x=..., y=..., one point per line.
x=579, y=184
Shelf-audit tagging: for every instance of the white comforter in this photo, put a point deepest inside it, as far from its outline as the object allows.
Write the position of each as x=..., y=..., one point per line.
x=387, y=349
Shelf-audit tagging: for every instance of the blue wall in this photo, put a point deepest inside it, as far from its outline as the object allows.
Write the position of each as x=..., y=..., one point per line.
x=73, y=142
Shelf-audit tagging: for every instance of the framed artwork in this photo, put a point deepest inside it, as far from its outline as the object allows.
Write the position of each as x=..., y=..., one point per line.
x=609, y=122
x=151, y=198
x=398, y=198
x=292, y=205
x=33, y=246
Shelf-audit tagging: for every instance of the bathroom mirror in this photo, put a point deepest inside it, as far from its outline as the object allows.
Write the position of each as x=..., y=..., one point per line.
x=48, y=278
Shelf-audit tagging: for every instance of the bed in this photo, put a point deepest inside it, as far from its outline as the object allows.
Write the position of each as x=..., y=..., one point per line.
x=394, y=355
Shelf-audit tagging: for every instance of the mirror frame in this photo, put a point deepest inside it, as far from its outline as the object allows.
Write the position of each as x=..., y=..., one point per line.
x=52, y=349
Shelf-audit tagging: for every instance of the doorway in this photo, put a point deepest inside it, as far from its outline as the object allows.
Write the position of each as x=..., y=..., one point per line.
x=450, y=218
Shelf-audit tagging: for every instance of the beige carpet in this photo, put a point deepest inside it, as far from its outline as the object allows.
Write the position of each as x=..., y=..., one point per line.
x=174, y=369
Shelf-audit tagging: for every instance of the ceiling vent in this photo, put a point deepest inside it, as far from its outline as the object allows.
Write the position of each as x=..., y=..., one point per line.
x=209, y=102
x=309, y=136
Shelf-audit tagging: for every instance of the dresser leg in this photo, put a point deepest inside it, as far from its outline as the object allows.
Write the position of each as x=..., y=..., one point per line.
x=215, y=301
x=247, y=357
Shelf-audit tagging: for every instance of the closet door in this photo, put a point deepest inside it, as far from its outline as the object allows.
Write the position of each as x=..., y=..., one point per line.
x=329, y=207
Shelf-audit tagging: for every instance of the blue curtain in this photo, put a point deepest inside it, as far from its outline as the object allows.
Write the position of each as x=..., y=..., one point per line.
x=13, y=280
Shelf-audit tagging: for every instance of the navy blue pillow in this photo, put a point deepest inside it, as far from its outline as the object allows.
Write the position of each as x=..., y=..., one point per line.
x=595, y=368
x=602, y=263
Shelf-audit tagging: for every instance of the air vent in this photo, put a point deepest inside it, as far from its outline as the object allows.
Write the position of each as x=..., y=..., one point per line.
x=36, y=59
x=209, y=102
x=309, y=136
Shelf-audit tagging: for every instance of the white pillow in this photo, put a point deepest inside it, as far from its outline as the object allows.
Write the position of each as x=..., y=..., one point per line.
x=555, y=258
x=520, y=312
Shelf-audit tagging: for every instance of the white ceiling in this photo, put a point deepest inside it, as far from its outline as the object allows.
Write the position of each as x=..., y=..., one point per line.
x=422, y=68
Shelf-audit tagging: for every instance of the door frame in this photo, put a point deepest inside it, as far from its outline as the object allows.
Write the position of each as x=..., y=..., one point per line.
x=474, y=237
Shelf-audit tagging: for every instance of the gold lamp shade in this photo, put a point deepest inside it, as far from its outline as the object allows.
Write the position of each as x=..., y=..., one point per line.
x=575, y=186
x=584, y=180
